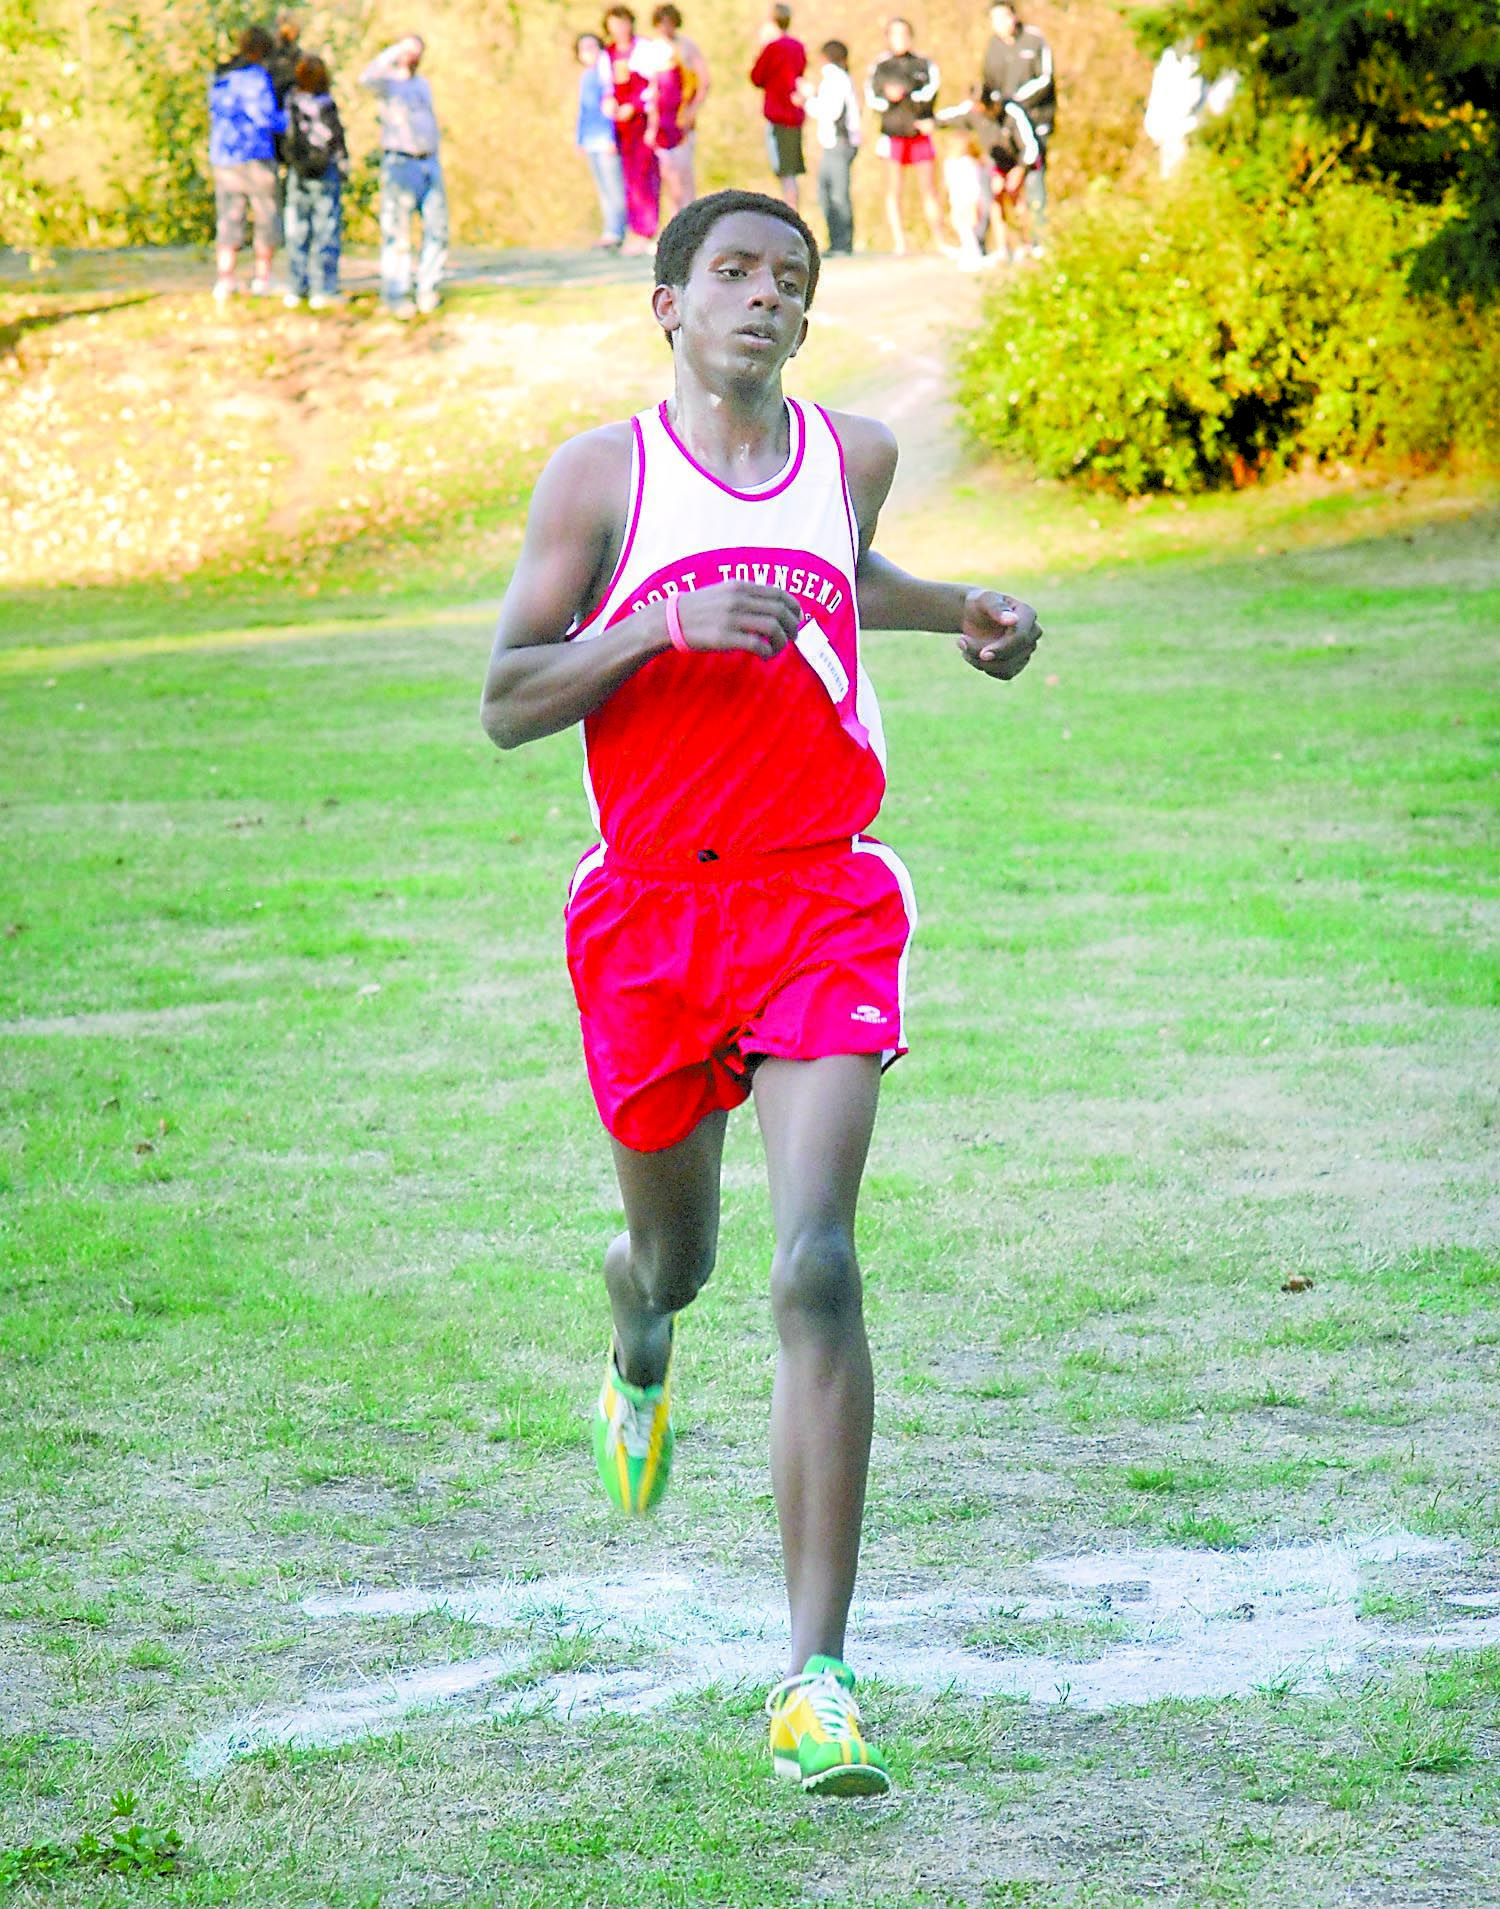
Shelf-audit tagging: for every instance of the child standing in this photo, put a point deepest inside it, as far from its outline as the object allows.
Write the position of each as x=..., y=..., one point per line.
x=317, y=157
x=595, y=138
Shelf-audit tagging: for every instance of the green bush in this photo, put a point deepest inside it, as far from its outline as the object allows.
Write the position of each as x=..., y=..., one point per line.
x=1213, y=330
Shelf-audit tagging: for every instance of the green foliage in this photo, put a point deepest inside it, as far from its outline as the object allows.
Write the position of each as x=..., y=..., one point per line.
x=1409, y=89
x=1230, y=325
x=37, y=99
x=169, y=58
x=123, y=1847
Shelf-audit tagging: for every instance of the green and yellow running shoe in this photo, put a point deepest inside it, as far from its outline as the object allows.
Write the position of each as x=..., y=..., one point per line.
x=815, y=1734
x=633, y=1437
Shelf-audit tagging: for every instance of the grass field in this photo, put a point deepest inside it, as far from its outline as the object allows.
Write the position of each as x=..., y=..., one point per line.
x=303, y=1198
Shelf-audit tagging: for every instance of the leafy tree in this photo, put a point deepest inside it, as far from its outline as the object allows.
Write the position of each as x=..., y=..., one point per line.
x=168, y=48
x=1410, y=88
x=36, y=97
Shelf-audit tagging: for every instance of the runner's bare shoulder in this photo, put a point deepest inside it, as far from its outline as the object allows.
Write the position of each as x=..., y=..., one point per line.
x=574, y=531
x=870, y=455
x=585, y=484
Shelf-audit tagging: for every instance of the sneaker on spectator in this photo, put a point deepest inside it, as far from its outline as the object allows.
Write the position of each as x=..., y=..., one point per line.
x=292, y=300
x=427, y=303
x=224, y=290
x=323, y=301
x=259, y=287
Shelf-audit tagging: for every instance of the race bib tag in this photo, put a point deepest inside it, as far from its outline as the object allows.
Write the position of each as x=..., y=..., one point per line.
x=822, y=659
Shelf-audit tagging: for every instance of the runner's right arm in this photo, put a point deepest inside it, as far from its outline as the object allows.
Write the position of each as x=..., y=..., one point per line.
x=538, y=682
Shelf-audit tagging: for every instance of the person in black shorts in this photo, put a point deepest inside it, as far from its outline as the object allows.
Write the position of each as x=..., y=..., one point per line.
x=778, y=70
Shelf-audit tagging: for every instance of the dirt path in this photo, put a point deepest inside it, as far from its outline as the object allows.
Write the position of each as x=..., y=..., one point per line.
x=173, y=425
x=901, y=314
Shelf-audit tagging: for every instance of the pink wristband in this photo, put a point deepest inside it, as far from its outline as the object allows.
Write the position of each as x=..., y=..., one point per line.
x=674, y=627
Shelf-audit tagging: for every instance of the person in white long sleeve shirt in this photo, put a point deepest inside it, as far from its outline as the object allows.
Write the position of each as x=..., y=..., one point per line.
x=411, y=178
x=833, y=107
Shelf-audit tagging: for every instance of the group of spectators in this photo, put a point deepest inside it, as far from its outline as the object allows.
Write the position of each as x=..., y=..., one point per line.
x=280, y=159
x=639, y=98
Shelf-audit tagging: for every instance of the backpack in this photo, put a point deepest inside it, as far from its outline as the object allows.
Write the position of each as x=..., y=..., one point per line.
x=310, y=143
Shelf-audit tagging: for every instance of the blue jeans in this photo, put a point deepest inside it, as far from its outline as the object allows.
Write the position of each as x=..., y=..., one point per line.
x=609, y=183
x=410, y=186
x=834, y=163
x=314, y=233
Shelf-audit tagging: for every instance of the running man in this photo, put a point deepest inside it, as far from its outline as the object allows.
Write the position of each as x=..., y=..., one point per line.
x=691, y=588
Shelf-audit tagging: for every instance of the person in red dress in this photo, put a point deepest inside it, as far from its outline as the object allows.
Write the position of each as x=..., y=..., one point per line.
x=691, y=589
x=625, y=103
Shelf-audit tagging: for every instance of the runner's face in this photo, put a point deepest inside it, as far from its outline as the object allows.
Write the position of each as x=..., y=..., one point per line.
x=589, y=50
x=742, y=313
x=1003, y=20
x=898, y=37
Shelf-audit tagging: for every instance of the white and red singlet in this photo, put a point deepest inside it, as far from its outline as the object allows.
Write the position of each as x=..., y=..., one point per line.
x=734, y=907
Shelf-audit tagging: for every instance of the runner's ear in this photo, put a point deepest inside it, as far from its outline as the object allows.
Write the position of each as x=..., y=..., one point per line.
x=664, y=303
x=801, y=341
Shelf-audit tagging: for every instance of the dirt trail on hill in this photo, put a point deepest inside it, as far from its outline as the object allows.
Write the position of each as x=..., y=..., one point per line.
x=907, y=312
x=897, y=317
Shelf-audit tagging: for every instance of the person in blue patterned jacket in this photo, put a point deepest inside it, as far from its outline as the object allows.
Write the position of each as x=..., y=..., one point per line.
x=244, y=122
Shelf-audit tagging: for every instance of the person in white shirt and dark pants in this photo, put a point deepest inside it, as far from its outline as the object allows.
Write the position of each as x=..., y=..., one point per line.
x=834, y=109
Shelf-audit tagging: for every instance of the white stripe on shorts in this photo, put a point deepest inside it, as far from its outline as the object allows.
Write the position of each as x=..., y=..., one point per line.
x=592, y=860
x=909, y=900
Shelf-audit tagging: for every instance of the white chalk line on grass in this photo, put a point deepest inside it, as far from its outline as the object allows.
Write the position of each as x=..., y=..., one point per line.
x=1199, y=1624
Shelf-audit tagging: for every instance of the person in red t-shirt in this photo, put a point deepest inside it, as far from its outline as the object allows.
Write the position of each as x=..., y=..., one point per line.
x=778, y=71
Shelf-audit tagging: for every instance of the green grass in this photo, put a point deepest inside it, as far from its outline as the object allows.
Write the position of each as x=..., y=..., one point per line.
x=302, y=1198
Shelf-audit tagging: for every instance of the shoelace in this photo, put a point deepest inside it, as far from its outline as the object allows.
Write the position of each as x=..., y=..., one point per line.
x=832, y=1705
x=630, y=1426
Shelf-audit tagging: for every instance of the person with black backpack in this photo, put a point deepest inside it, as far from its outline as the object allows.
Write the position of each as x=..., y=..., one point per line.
x=317, y=158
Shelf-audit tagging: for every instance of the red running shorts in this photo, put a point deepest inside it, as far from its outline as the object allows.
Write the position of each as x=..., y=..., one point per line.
x=915, y=149
x=686, y=975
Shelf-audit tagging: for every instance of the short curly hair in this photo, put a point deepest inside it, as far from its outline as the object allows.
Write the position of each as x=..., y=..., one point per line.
x=684, y=237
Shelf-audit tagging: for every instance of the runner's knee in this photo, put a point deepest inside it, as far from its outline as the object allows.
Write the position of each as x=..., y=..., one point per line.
x=815, y=1276
x=671, y=1271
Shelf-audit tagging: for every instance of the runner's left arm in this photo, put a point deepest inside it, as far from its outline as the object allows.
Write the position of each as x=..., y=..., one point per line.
x=997, y=633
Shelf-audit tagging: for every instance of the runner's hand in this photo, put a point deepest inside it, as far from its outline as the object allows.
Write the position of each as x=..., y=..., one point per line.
x=999, y=634
x=739, y=616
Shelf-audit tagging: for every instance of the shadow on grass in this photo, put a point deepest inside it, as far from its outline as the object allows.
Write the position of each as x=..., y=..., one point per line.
x=12, y=333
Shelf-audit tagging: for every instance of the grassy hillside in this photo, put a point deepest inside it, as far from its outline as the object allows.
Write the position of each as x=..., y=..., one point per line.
x=1179, y=1232
x=256, y=463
